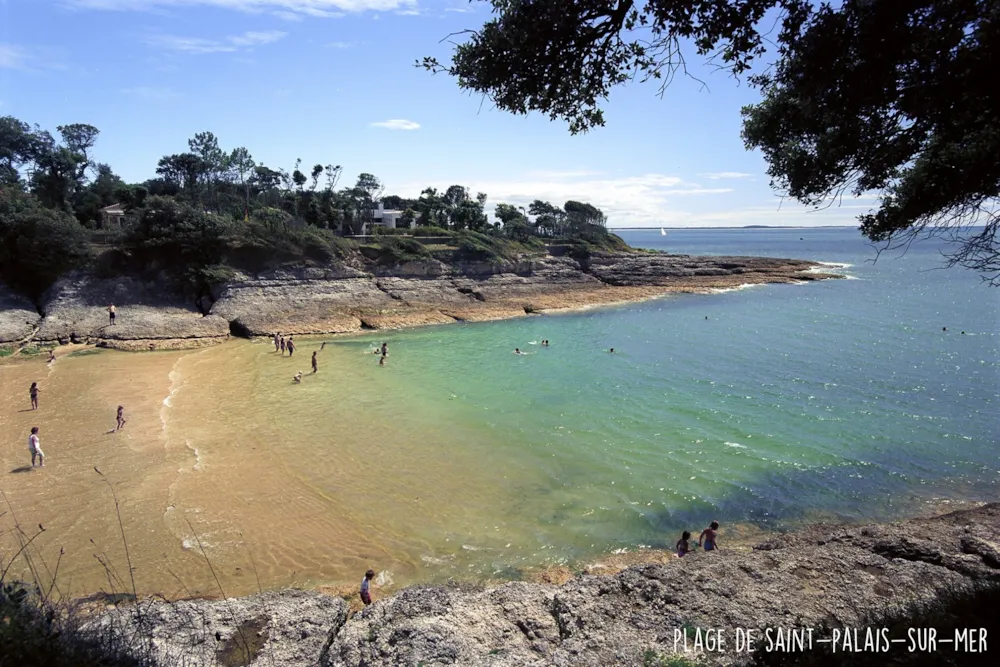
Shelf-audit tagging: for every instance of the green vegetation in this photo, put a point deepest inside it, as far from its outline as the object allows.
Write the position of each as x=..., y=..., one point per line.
x=209, y=213
x=651, y=658
x=875, y=97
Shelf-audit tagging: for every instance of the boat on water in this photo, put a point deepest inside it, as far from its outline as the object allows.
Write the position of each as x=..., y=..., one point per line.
x=663, y=232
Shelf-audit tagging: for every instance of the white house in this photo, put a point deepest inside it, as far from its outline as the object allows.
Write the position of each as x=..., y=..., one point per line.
x=388, y=218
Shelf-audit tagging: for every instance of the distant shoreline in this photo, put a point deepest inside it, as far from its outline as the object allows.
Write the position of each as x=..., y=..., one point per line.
x=739, y=227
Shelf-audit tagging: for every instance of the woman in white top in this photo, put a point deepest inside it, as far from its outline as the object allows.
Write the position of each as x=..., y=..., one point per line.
x=35, y=447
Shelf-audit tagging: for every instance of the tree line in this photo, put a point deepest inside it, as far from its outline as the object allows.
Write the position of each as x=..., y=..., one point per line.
x=208, y=208
x=63, y=175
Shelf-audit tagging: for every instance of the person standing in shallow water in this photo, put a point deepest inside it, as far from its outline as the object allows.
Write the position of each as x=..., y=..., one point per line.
x=277, y=345
x=33, y=393
x=709, y=537
x=282, y=344
x=35, y=447
x=366, y=595
x=315, y=364
x=290, y=345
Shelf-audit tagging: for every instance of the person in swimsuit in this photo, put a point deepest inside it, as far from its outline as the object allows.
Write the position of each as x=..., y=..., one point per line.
x=708, y=535
x=35, y=447
x=366, y=595
x=33, y=393
x=385, y=349
x=323, y=345
x=282, y=344
x=111, y=314
x=517, y=350
x=121, y=417
x=277, y=343
x=315, y=364
x=290, y=345
x=52, y=356
x=684, y=544
x=612, y=350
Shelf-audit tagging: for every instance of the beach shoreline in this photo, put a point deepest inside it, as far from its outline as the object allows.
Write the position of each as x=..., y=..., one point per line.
x=351, y=300
x=832, y=575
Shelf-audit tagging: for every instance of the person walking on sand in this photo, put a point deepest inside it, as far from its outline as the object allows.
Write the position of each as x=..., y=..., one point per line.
x=35, y=447
x=290, y=345
x=33, y=393
x=709, y=536
x=684, y=544
x=111, y=314
x=282, y=344
x=315, y=364
x=366, y=595
x=121, y=417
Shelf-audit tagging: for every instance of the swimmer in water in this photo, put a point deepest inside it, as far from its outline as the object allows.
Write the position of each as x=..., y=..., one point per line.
x=517, y=350
x=611, y=351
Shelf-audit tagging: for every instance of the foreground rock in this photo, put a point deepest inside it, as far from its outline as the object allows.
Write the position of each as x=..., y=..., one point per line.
x=18, y=317
x=823, y=574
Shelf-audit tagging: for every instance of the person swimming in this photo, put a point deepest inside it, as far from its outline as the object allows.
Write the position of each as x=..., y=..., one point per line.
x=611, y=351
x=709, y=537
x=517, y=350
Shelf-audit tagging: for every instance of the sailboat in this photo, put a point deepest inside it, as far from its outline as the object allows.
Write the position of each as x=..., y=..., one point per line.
x=663, y=232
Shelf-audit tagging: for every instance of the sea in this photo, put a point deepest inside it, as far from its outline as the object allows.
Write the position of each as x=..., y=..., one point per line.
x=873, y=397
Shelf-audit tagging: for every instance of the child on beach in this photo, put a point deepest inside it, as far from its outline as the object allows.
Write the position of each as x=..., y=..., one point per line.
x=366, y=596
x=683, y=544
x=281, y=343
x=33, y=393
x=121, y=417
x=709, y=536
x=35, y=447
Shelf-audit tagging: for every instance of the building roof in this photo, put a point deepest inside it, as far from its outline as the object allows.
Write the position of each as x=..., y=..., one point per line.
x=114, y=208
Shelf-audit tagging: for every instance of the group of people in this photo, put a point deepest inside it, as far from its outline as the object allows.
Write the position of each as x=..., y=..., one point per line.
x=35, y=444
x=707, y=540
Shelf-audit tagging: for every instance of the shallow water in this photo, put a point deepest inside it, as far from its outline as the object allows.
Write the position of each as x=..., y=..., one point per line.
x=841, y=399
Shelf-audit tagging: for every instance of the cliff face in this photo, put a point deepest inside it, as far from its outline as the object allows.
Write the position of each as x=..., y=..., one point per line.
x=822, y=574
x=349, y=298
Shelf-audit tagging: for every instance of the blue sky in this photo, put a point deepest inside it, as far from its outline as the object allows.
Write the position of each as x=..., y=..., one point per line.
x=333, y=81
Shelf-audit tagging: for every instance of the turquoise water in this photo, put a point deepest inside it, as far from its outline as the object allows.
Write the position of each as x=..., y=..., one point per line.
x=838, y=399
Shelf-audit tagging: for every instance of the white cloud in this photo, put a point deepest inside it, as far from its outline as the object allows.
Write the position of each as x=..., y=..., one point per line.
x=199, y=45
x=283, y=8
x=397, y=124
x=12, y=57
x=720, y=175
x=460, y=10
x=644, y=200
x=340, y=45
x=152, y=93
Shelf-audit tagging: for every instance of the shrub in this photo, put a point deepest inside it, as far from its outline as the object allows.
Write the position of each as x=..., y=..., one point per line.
x=397, y=250
x=37, y=245
x=431, y=231
x=476, y=247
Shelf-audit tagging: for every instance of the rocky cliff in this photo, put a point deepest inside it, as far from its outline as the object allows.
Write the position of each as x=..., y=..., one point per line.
x=821, y=574
x=347, y=298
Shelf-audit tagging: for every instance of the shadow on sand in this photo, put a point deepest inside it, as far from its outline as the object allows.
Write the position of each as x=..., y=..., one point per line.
x=22, y=469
